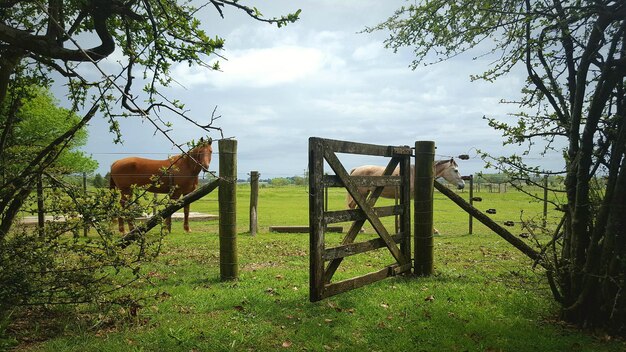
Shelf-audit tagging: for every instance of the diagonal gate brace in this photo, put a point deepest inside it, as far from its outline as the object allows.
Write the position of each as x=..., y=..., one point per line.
x=366, y=205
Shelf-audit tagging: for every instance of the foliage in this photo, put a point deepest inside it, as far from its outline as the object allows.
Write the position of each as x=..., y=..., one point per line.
x=279, y=181
x=284, y=181
x=55, y=265
x=492, y=178
x=42, y=41
x=484, y=296
x=98, y=181
x=38, y=122
x=574, y=55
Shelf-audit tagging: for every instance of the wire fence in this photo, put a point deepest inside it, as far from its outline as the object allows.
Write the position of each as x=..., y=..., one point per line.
x=505, y=204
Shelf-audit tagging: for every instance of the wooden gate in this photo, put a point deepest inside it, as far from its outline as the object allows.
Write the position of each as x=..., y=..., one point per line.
x=398, y=244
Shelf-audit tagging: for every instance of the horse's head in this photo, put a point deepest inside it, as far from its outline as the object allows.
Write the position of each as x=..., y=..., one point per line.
x=449, y=170
x=202, y=153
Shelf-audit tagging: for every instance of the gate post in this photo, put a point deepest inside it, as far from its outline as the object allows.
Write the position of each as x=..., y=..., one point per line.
x=227, y=197
x=316, y=219
x=423, y=207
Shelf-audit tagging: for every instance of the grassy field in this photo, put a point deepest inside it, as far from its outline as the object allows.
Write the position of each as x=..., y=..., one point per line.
x=484, y=295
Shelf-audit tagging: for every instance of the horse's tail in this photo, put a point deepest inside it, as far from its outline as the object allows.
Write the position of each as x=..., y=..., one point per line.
x=350, y=203
x=112, y=184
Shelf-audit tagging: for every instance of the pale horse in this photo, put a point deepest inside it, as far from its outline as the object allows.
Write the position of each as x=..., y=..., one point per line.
x=448, y=169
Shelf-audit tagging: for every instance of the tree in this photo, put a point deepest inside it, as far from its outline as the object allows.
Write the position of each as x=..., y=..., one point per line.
x=279, y=182
x=98, y=181
x=41, y=42
x=38, y=123
x=574, y=56
x=299, y=180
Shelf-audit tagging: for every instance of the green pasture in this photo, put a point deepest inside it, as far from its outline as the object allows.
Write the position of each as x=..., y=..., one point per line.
x=484, y=296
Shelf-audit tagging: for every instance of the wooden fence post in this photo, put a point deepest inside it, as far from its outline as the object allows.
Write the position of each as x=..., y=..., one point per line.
x=423, y=207
x=254, y=202
x=41, y=220
x=85, y=221
x=227, y=198
x=471, y=197
x=545, y=200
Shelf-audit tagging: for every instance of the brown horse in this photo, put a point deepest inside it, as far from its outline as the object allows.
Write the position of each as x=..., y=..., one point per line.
x=448, y=169
x=177, y=176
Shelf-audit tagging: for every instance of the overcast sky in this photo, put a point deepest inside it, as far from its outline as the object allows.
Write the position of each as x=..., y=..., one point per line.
x=321, y=77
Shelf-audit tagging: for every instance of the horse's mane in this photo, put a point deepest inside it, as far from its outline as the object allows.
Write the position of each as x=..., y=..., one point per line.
x=439, y=162
x=201, y=144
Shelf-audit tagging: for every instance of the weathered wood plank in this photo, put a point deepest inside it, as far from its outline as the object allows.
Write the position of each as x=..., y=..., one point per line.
x=363, y=181
x=335, y=216
x=254, y=202
x=360, y=247
x=423, y=188
x=366, y=149
x=303, y=229
x=334, y=288
x=405, y=204
x=227, y=196
x=316, y=219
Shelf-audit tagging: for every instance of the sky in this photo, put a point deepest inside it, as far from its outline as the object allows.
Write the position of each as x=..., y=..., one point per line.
x=323, y=77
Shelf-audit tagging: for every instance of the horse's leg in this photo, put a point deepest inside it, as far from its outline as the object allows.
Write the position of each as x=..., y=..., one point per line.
x=352, y=203
x=120, y=220
x=120, y=224
x=186, y=222
x=186, y=215
x=131, y=226
x=168, y=224
x=168, y=220
x=130, y=220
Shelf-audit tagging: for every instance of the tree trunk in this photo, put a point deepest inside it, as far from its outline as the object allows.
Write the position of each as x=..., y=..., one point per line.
x=613, y=259
x=8, y=62
x=595, y=293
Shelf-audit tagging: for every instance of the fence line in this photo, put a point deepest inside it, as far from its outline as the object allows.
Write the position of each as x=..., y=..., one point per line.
x=227, y=182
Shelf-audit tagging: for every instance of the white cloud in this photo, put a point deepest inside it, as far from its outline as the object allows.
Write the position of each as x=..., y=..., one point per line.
x=368, y=52
x=364, y=105
x=257, y=68
x=439, y=93
x=321, y=77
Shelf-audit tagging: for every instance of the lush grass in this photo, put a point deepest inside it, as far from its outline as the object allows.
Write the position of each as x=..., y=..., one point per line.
x=483, y=297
